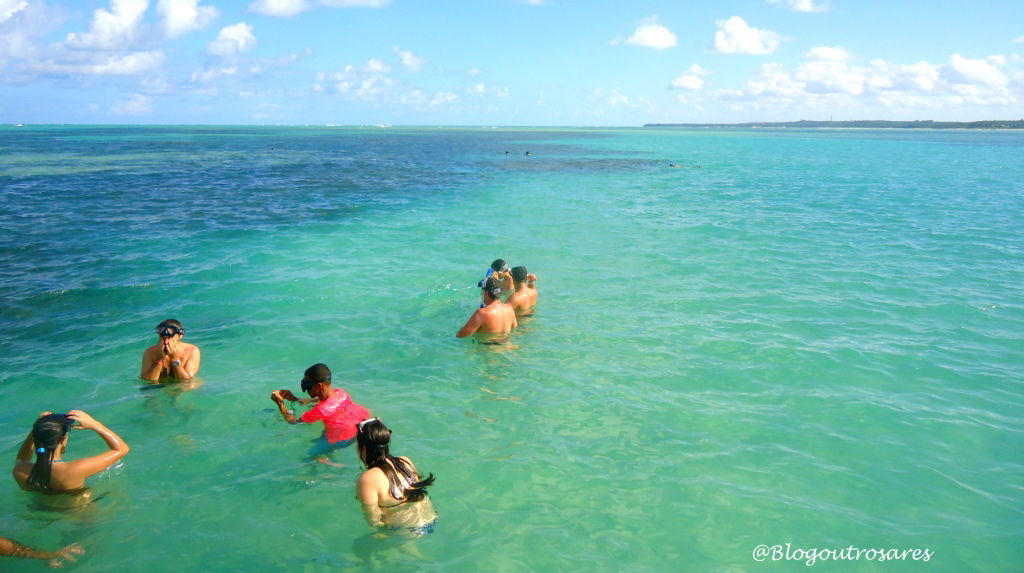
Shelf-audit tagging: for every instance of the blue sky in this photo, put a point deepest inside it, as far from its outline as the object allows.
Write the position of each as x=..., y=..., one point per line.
x=507, y=62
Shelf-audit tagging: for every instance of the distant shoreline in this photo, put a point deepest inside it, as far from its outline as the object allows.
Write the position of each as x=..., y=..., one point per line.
x=876, y=124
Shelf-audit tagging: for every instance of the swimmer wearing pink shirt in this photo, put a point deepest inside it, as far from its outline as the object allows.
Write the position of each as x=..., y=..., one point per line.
x=339, y=413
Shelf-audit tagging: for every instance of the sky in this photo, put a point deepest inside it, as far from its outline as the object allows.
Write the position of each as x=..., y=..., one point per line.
x=508, y=62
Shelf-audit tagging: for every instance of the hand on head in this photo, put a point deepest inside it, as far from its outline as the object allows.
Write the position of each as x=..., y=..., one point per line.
x=85, y=421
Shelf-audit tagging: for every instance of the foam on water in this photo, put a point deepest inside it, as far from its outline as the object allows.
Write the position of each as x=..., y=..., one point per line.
x=797, y=336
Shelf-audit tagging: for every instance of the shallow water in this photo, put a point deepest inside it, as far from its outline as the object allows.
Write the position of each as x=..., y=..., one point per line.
x=798, y=336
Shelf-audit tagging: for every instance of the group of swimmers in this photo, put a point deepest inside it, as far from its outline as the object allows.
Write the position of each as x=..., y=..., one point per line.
x=391, y=490
x=495, y=318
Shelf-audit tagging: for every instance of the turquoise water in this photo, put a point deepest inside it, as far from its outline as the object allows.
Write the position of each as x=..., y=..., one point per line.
x=805, y=337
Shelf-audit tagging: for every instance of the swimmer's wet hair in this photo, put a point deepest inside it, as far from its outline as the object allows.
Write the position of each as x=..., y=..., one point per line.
x=519, y=274
x=318, y=372
x=172, y=322
x=492, y=287
x=499, y=265
x=374, y=439
x=47, y=434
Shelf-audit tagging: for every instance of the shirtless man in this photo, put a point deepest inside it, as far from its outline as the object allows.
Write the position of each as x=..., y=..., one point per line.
x=495, y=317
x=170, y=358
x=525, y=297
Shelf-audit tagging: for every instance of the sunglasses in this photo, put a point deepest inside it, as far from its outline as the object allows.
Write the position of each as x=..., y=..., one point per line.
x=168, y=330
x=359, y=426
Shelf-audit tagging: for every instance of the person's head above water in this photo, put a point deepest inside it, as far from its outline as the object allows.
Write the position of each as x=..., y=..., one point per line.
x=169, y=328
x=499, y=266
x=491, y=288
x=316, y=374
x=374, y=441
x=373, y=438
x=519, y=274
x=49, y=431
x=49, y=434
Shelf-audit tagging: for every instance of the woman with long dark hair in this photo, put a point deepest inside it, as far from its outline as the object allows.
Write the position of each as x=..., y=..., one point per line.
x=48, y=440
x=391, y=491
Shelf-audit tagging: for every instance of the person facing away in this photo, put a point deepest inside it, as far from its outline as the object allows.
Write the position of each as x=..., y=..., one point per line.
x=48, y=440
x=494, y=317
x=170, y=357
x=391, y=491
x=524, y=298
x=333, y=406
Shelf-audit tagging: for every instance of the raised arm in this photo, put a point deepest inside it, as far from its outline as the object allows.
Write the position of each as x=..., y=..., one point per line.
x=26, y=453
x=187, y=368
x=86, y=467
x=151, y=365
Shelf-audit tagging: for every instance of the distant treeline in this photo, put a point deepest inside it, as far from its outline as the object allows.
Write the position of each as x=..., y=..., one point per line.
x=877, y=124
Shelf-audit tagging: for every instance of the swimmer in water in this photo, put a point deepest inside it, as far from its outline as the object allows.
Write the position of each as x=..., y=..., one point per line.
x=48, y=440
x=524, y=298
x=494, y=317
x=170, y=358
x=334, y=407
x=391, y=491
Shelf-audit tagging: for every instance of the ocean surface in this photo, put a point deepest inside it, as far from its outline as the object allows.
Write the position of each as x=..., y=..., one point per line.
x=808, y=340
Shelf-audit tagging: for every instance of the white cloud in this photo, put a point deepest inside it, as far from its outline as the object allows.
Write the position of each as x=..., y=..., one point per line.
x=210, y=74
x=104, y=65
x=652, y=35
x=691, y=80
x=734, y=36
x=108, y=48
x=289, y=8
x=376, y=66
x=111, y=30
x=1018, y=40
x=232, y=40
x=831, y=77
x=966, y=71
x=774, y=80
x=828, y=54
x=137, y=104
x=801, y=5
x=181, y=16
x=369, y=82
x=279, y=8
x=419, y=101
x=688, y=82
x=919, y=77
x=22, y=27
x=8, y=8
x=409, y=60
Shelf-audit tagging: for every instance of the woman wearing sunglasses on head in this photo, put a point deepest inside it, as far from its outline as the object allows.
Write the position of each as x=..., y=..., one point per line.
x=170, y=358
x=391, y=491
x=48, y=440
